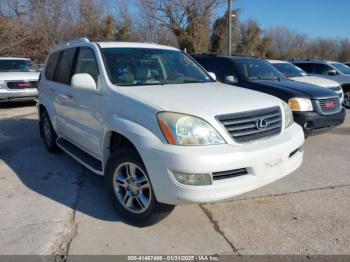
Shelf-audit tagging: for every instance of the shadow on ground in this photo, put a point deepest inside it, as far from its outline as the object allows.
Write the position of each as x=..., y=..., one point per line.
x=55, y=176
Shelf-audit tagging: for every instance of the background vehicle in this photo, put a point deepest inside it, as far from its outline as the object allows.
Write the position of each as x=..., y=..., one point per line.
x=18, y=79
x=331, y=70
x=160, y=129
x=315, y=108
x=297, y=74
x=347, y=63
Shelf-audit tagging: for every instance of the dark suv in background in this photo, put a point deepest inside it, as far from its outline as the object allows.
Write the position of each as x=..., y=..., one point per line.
x=328, y=69
x=316, y=109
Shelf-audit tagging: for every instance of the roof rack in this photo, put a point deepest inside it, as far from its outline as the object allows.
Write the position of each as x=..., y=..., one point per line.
x=79, y=40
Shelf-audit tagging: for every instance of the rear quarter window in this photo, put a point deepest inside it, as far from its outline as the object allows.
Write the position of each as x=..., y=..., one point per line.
x=51, y=66
x=64, y=72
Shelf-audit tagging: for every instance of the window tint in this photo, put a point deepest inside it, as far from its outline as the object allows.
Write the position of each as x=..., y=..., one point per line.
x=306, y=67
x=321, y=69
x=51, y=66
x=86, y=63
x=219, y=66
x=65, y=68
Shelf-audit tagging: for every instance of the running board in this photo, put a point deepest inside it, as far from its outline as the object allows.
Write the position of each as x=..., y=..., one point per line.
x=79, y=155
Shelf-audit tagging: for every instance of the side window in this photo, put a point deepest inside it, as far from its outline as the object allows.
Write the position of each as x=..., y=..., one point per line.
x=321, y=69
x=51, y=66
x=64, y=72
x=86, y=63
x=306, y=67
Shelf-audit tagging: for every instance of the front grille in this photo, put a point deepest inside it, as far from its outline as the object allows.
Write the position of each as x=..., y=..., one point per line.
x=253, y=125
x=329, y=105
x=22, y=84
x=230, y=174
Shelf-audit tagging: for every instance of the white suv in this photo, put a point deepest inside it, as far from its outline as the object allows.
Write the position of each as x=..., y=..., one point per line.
x=160, y=129
x=18, y=79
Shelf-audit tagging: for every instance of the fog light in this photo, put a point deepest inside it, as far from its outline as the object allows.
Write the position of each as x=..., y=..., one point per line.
x=193, y=179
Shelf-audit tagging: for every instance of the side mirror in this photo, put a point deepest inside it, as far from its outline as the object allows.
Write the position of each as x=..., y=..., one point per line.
x=212, y=75
x=230, y=80
x=83, y=82
x=331, y=72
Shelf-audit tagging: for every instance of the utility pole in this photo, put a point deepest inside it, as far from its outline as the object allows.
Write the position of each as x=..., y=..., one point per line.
x=229, y=48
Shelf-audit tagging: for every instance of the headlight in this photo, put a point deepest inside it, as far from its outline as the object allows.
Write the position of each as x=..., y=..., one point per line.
x=180, y=129
x=2, y=84
x=300, y=104
x=288, y=115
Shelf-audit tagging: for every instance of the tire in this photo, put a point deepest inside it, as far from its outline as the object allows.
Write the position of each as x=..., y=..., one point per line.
x=346, y=102
x=129, y=188
x=48, y=133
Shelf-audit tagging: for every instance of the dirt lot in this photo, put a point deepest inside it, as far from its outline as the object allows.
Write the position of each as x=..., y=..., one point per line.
x=50, y=204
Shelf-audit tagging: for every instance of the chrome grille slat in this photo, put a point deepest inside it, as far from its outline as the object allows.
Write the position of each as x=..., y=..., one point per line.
x=243, y=126
x=257, y=131
x=242, y=121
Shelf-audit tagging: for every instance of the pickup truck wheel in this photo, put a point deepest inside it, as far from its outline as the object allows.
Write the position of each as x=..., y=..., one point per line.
x=130, y=189
x=347, y=99
x=48, y=133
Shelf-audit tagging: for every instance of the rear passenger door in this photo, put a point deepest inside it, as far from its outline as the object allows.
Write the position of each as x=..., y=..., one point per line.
x=62, y=90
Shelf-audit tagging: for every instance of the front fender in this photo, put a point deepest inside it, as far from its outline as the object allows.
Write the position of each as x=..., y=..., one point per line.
x=137, y=134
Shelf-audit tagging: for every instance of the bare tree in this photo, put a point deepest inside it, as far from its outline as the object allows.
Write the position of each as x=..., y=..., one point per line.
x=189, y=20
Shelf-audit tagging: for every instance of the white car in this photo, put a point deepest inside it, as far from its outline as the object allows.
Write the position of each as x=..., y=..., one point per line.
x=297, y=74
x=18, y=79
x=160, y=129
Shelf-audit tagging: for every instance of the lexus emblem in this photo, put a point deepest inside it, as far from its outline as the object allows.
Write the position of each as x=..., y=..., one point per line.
x=261, y=124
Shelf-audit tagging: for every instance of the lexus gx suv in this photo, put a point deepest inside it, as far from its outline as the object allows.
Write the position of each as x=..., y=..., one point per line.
x=160, y=129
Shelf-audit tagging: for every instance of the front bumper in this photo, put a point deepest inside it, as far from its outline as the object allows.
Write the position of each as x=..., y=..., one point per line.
x=266, y=161
x=314, y=123
x=18, y=94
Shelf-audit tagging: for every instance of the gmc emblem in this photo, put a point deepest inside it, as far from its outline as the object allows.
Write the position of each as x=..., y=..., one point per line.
x=330, y=105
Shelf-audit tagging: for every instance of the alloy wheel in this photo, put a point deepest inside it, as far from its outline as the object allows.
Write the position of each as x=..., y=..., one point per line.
x=132, y=187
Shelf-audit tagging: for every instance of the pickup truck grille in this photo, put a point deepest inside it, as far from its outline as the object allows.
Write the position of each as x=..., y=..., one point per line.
x=21, y=84
x=329, y=105
x=253, y=125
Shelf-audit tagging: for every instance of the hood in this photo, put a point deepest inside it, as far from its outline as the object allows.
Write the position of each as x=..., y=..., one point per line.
x=314, y=80
x=203, y=99
x=341, y=79
x=11, y=76
x=296, y=88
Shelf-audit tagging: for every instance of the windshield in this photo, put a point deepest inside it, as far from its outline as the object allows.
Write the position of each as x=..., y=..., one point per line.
x=342, y=68
x=140, y=66
x=13, y=65
x=289, y=70
x=255, y=69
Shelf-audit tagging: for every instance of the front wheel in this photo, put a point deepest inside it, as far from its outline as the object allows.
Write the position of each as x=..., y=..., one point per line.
x=130, y=189
x=346, y=102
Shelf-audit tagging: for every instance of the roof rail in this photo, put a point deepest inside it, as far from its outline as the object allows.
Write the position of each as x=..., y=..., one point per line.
x=79, y=40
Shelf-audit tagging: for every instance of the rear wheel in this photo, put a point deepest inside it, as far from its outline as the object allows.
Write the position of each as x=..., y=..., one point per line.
x=347, y=99
x=130, y=189
x=48, y=133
